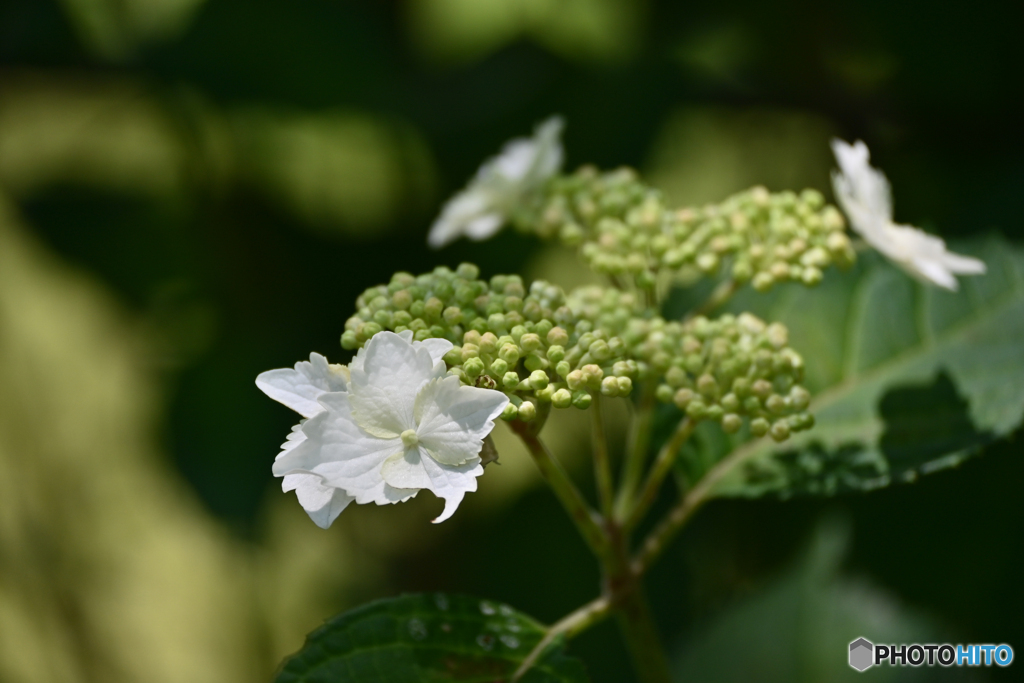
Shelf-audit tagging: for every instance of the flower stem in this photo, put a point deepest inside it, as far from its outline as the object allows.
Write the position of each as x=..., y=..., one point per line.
x=576, y=622
x=662, y=466
x=722, y=293
x=585, y=519
x=602, y=465
x=636, y=455
x=625, y=588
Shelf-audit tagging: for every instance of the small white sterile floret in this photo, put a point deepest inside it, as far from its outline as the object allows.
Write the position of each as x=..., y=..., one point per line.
x=865, y=195
x=483, y=207
x=397, y=425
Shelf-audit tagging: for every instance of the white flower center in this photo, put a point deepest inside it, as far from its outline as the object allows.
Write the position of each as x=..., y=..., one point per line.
x=410, y=439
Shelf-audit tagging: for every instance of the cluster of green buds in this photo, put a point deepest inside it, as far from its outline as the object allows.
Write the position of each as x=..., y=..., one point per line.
x=726, y=370
x=545, y=350
x=528, y=344
x=623, y=228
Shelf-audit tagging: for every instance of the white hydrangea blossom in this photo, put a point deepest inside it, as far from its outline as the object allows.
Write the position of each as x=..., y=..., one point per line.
x=391, y=424
x=865, y=195
x=486, y=203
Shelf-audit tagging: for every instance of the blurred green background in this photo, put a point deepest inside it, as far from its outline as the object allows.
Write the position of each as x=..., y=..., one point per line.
x=192, y=192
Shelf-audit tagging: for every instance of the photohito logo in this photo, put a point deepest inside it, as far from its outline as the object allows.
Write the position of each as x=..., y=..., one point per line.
x=864, y=654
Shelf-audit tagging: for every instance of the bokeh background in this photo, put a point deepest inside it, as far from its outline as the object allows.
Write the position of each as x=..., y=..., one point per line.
x=194, y=191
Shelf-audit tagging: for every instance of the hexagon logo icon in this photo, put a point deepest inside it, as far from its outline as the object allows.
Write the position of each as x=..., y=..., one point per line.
x=861, y=654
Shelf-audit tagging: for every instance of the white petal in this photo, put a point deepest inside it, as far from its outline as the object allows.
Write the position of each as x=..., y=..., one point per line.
x=865, y=196
x=932, y=272
x=500, y=184
x=483, y=227
x=383, y=390
x=452, y=420
x=405, y=470
x=300, y=387
x=323, y=503
x=436, y=347
x=451, y=483
x=347, y=457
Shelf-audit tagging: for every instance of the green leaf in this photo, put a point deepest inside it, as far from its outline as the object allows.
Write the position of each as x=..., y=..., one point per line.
x=907, y=379
x=427, y=638
x=798, y=627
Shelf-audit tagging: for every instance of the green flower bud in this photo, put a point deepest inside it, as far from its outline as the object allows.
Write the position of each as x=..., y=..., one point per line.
x=510, y=412
x=664, y=393
x=592, y=375
x=527, y=411
x=473, y=367
x=401, y=318
x=367, y=330
x=731, y=423
x=761, y=388
x=529, y=342
x=696, y=409
x=453, y=356
x=538, y=379
x=535, y=362
x=730, y=402
x=625, y=385
x=467, y=271
x=349, y=340
x=763, y=281
x=563, y=368
x=610, y=387
x=561, y=398
x=544, y=395
x=558, y=336
x=759, y=426
x=776, y=404
x=555, y=353
x=714, y=413
x=707, y=385
x=510, y=380
x=498, y=367
x=683, y=398
x=510, y=354
x=812, y=276
x=780, y=431
x=576, y=380
x=581, y=399
x=599, y=350
x=800, y=397
x=470, y=351
x=496, y=323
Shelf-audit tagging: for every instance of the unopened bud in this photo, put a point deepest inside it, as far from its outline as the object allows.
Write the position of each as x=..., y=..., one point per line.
x=610, y=387
x=759, y=426
x=527, y=411
x=731, y=423
x=780, y=431
x=561, y=398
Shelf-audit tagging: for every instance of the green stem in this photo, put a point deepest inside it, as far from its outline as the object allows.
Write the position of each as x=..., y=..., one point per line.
x=662, y=466
x=602, y=464
x=585, y=519
x=722, y=293
x=636, y=455
x=634, y=614
x=570, y=625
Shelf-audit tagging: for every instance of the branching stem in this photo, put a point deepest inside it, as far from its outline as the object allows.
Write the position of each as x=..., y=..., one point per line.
x=636, y=455
x=585, y=519
x=602, y=464
x=662, y=466
x=570, y=625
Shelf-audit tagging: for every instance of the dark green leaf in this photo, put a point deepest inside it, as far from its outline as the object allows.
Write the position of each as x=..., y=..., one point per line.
x=907, y=379
x=427, y=638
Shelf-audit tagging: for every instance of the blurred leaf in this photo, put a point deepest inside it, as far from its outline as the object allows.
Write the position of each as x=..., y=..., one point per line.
x=798, y=628
x=98, y=132
x=702, y=154
x=338, y=170
x=907, y=379
x=416, y=638
x=467, y=30
x=115, y=28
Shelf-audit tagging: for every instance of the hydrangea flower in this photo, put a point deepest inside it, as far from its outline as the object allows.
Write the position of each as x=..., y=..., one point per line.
x=391, y=424
x=522, y=167
x=865, y=195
